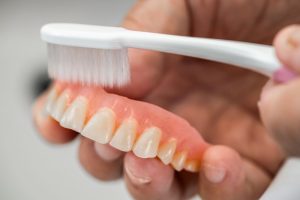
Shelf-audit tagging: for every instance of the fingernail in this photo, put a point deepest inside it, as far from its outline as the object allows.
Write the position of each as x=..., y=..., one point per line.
x=284, y=75
x=294, y=38
x=136, y=178
x=214, y=174
x=106, y=152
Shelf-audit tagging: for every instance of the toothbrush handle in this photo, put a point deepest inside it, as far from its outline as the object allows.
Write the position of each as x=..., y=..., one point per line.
x=256, y=57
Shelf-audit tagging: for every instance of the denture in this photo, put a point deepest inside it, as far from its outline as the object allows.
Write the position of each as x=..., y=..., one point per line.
x=127, y=125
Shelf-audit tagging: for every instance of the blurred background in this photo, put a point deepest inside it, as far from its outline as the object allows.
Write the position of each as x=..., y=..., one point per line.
x=30, y=168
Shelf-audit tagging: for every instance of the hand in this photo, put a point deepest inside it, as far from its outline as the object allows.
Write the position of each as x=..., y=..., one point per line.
x=279, y=106
x=220, y=101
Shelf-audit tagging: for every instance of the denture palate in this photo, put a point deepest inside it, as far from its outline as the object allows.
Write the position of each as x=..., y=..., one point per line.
x=127, y=125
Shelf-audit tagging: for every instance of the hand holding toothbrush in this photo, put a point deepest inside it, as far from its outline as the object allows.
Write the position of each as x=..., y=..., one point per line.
x=220, y=101
x=279, y=104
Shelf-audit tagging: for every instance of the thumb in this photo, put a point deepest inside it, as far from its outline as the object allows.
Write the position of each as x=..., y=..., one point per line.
x=147, y=67
x=225, y=175
x=280, y=111
x=287, y=45
x=279, y=105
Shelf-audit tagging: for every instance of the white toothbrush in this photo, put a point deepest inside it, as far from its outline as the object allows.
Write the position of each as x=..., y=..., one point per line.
x=98, y=54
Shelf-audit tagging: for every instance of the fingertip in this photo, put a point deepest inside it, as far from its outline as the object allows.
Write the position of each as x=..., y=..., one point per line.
x=151, y=170
x=280, y=115
x=225, y=175
x=149, y=178
x=106, y=152
x=222, y=174
x=218, y=162
x=92, y=160
x=287, y=45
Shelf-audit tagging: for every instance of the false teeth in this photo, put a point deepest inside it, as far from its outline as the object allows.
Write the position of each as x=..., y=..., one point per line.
x=166, y=151
x=125, y=125
x=125, y=135
x=147, y=144
x=192, y=166
x=74, y=116
x=179, y=161
x=52, y=96
x=60, y=106
x=101, y=126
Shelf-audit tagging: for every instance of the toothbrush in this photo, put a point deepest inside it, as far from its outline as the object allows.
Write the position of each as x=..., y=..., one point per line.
x=97, y=55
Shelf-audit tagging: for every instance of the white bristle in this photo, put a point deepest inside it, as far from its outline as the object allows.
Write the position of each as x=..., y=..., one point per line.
x=88, y=66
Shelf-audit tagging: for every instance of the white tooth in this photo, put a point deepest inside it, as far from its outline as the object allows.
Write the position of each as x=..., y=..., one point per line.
x=52, y=96
x=74, y=116
x=166, y=151
x=125, y=135
x=101, y=126
x=147, y=144
x=179, y=160
x=60, y=106
x=192, y=166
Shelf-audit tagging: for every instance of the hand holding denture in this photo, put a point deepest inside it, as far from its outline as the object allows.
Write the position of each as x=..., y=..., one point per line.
x=183, y=115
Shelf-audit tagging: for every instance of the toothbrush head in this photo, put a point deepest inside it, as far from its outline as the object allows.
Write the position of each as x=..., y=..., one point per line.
x=85, y=54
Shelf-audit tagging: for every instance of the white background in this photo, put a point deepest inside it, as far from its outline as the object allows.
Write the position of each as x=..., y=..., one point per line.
x=30, y=168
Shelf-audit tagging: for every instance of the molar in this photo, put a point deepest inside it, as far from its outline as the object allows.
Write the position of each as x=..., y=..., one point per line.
x=125, y=135
x=192, y=165
x=166, y=151
x=75, y=115
x=60, y=106
x=52, y=96
x=179, y=160
x=148, y=142
x=101, y=126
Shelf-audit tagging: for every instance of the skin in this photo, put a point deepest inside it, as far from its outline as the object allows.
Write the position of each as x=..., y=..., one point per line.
x=220, y=101
x=279, y=105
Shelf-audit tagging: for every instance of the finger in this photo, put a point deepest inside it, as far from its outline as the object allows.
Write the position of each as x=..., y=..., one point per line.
x=287, y=44
x=101, y=161
x=147, y=67
x=226, y=176
x=280, y=112
x=150, y=179
x=47, y=127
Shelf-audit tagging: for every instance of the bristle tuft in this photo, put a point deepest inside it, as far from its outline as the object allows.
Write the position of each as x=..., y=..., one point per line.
x=87, y=66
